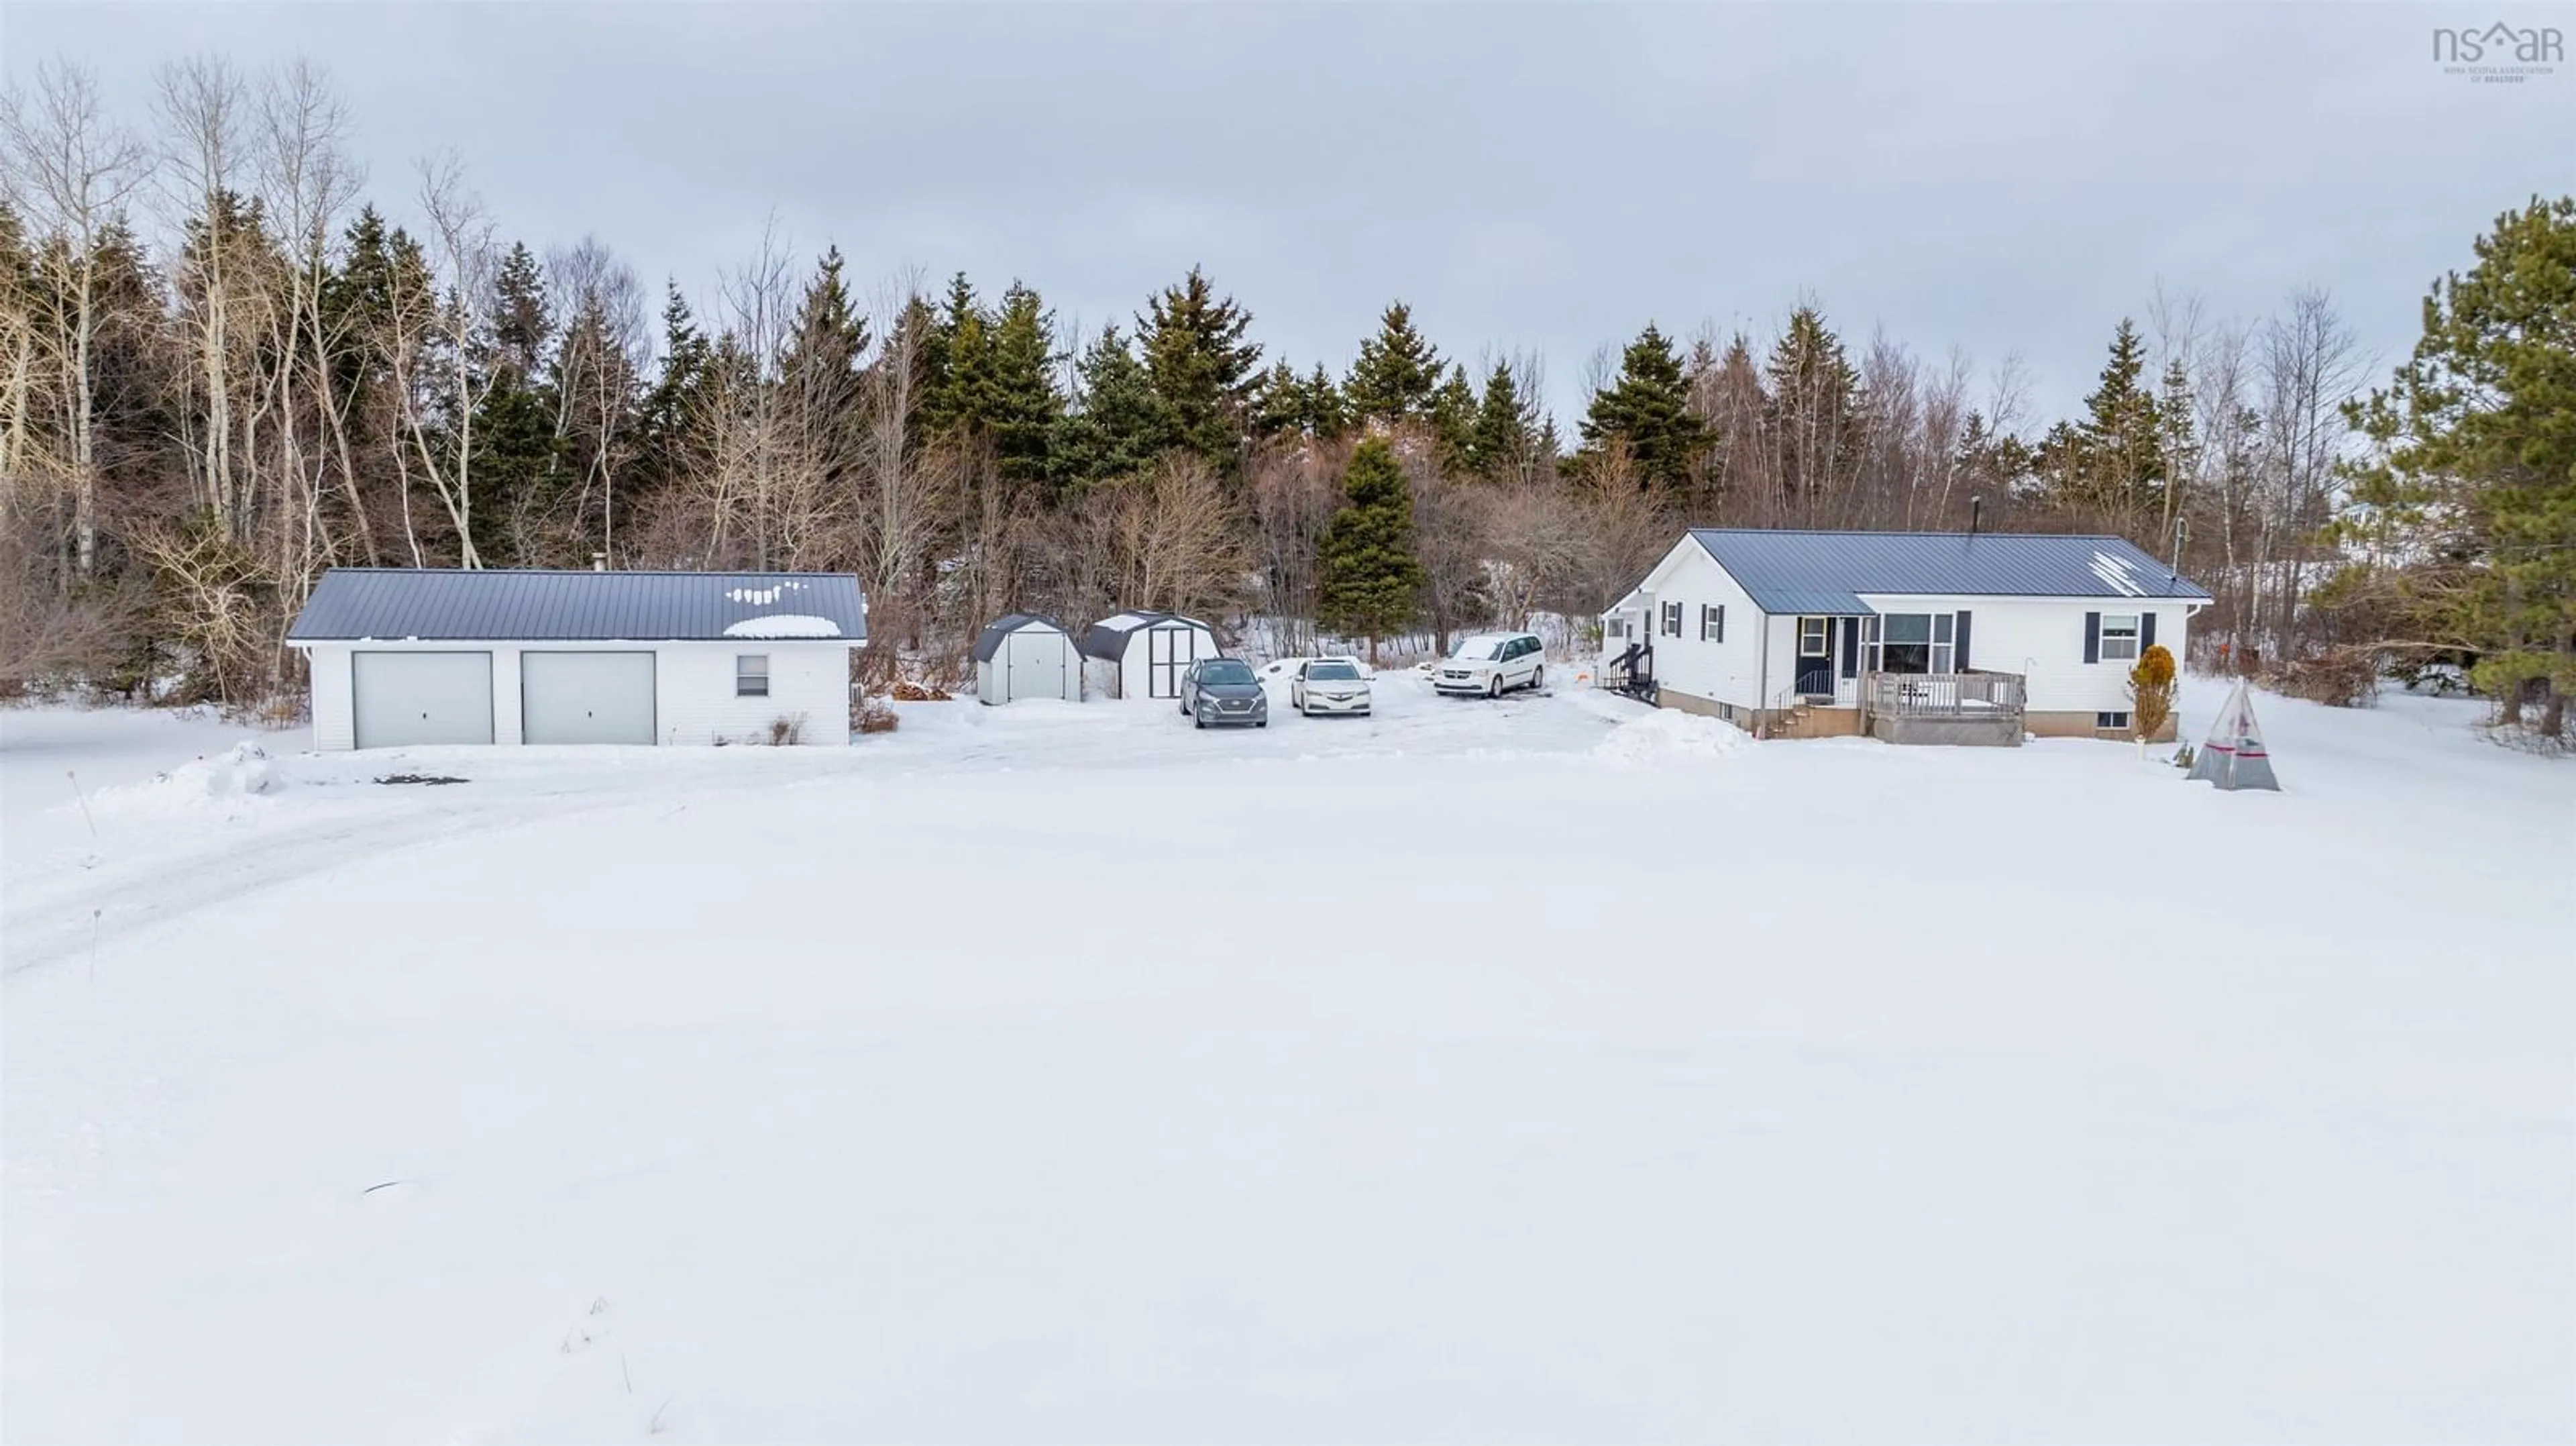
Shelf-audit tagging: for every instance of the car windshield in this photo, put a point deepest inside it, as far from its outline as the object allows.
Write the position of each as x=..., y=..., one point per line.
x=1228, y=671
x=1331, y=673
x=1477, y=649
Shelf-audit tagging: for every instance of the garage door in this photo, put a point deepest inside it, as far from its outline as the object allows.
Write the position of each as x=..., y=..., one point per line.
x=408, y=698
x=586, y=697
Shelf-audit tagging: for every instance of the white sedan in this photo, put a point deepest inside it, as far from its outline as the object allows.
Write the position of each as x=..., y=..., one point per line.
x=1328, y=685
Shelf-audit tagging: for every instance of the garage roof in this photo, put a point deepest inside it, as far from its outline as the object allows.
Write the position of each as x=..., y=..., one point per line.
x=1824, y=572
x=1107, y=638
x=529, y=605
x=989, y=643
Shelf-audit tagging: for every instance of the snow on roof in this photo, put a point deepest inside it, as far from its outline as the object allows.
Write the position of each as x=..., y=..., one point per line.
x=988, y=644
x=784, y=625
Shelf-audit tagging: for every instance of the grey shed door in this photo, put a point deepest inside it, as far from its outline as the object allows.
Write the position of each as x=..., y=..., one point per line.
x=1036, y=665
x=407, y=698
x=586, y=697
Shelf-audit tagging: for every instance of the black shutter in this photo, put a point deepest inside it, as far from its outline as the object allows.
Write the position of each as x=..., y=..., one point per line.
x=1721, y=622
x=1959, y=657
x=2092, y=637
x=2146, y=632
x=1851, y=647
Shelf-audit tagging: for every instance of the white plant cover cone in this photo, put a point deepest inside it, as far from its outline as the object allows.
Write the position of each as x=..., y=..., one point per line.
x=2234, y=756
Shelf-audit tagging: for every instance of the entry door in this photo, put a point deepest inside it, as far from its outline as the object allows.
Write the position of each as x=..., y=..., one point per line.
x=1816, y=657
x=586, y=697
x=1168, y=654
x=1034, y=667
x=403, y=699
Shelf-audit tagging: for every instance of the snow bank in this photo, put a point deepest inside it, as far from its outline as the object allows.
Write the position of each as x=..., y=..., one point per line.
x=238, y=772
x=1666, y=737
x=785, y=625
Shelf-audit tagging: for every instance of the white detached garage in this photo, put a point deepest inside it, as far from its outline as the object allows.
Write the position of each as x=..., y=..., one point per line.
x=405, y=657
x=1143, y=654
x=1026, y=656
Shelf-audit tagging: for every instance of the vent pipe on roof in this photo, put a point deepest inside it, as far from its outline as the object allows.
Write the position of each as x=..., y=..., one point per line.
x=599, y=562
x=1976, y=505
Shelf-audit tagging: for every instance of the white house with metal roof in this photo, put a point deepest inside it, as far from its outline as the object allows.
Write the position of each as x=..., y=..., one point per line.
x=404, y=656
x=1143, y=654
x=1908, y=636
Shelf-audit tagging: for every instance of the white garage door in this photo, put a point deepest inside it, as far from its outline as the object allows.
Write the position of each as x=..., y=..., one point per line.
x=408, y=698
x=1039, y=665
x=586, y=697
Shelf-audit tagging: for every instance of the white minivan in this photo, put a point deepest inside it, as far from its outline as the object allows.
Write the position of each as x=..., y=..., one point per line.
x=1492, y=664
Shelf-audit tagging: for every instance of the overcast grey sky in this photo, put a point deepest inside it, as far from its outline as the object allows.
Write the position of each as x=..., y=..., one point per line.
x=2002, y=177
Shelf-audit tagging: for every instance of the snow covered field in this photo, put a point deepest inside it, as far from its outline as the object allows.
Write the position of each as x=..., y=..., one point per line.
x=1474, y=1072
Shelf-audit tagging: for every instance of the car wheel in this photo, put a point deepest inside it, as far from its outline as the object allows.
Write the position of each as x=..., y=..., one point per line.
x=1197, y=721
x=1538, y=679
x=1495, y=688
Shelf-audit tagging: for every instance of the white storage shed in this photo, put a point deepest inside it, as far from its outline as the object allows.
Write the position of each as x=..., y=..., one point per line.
x=1026, y=656
x=1144, y=654
x=403, y=657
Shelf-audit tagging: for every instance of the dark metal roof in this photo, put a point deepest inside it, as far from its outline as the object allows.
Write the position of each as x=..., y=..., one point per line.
x=454, y=604
x=989, y=642
x=1825, y=572
x=1107, y=638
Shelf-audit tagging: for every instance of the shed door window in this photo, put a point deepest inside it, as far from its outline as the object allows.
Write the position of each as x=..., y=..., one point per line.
x=751, y=675
x=2120, y=637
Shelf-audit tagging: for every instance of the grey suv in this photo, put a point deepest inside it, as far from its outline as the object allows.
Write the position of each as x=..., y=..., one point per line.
x=1222, y=692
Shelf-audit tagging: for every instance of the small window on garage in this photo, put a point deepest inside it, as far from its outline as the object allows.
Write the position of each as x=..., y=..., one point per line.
x=1712, y=624
x=1672, y=620
x=2110, y=720
x=751, y=675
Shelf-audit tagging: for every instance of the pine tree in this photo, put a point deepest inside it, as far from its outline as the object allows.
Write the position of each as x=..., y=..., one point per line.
x=1452, y=414
x=1021, y=405
x=516, y=472
x=2109, y=468
x=668, y=407
x=1648, y=409
x=2476, y=461
x=1115, y=427
x=1813, y=415
x=1369, y=581
x=1499, y=441
x=1397, y=371
x=1203, y=371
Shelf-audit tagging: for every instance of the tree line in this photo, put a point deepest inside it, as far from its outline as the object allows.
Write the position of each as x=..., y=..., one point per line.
x=224, y=367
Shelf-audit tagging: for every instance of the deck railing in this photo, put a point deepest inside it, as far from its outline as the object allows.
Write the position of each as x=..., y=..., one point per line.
x=1945, y=695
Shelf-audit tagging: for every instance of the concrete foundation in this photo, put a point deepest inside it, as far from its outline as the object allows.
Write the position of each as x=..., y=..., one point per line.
x=1966, y=732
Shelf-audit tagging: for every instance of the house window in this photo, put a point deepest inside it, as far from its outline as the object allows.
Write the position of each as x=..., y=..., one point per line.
x=2110, y=721
x=1815, y=637
x=1712, y=624
x=1615, y=628
x=1912, y=642
x=751, y=675
x=2119, y=637
x=1672, y=620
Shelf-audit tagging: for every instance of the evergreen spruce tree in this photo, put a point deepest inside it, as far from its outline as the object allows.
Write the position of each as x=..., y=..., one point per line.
x=1203, y=371
x=1369, y=578
x=2475, y=470
x=1500, y=440
x=516, y=452
x=1648, y=408
x=1328, y=411
x=2109, y=468
x=1116, y=426
x=674, y=396
x=1279, y=403
x=1813, y=410
x=1021, y=405
x=1452, y=414
x=1397, y=371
